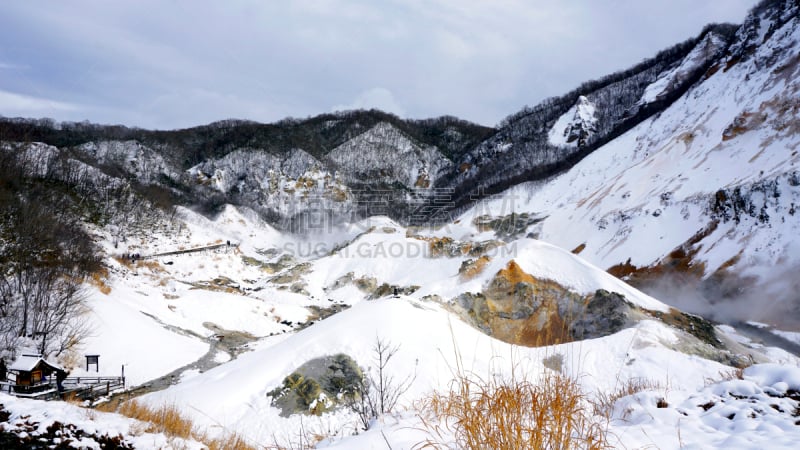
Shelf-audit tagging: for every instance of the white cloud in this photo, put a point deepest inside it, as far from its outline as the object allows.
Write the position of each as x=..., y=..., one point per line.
x=475, y=59
x=377, y=98
x=10, y=66
x=13, y=104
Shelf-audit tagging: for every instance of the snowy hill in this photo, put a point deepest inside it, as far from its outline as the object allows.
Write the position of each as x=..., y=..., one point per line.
x=242, y=305
x=246, y=272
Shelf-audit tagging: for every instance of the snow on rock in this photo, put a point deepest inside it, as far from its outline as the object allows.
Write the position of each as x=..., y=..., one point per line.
x=64, y=423
x=547, y=261
x=133, y=157
x=235, y=169
x=575, y=126
x=700, y=55
x=289, y=184
x=386, y=153
x=736, y=413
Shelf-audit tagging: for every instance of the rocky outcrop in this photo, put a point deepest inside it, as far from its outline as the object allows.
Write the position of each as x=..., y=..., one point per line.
x=518, y=308
x=508, y=227
x=576, y=126
x=603, y=313
x=319, y=385
x=371, y=286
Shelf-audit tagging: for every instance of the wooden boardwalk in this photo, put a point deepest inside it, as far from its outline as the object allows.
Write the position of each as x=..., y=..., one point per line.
x=83, y=388
x=189, y=250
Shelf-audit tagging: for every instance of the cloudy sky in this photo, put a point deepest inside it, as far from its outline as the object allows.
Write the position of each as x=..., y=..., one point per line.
x=168, y=64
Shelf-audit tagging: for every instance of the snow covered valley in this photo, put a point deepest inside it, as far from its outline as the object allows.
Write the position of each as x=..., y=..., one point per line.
x=615, y=268
x=439, y=302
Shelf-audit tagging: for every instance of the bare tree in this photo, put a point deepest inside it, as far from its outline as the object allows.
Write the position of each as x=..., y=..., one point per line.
x=379, y=390
x=58, y=305
x=45, y=255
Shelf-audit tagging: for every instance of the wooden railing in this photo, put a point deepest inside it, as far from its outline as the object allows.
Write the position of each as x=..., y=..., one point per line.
x=81, y=387
x=99, y=386
x=189, y=250
x=82, y=381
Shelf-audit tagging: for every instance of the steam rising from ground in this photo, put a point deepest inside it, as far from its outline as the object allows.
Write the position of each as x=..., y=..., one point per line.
x=774, y=300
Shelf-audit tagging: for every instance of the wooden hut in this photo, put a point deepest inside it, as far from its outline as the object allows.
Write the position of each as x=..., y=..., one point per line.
x=32, y=374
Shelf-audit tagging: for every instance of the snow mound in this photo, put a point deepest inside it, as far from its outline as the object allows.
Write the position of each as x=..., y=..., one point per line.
x=748, y=413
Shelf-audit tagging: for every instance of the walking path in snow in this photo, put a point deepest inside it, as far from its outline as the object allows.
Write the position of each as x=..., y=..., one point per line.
x=223, y=341
x=191, y=250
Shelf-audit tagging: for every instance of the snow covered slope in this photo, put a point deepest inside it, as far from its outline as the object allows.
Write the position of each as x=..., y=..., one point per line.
x=236, y=310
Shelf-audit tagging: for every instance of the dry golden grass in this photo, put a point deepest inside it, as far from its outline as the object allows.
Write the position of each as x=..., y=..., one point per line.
x=98, y=280
x=124, y=261
x=154, y=266
x=165, y=419
x=169, y=420
x=513, y=414
x=735, y=373
x=227, y=442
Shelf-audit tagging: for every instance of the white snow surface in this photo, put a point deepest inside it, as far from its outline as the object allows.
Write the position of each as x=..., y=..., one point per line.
x=698, y=57
x=748, y=413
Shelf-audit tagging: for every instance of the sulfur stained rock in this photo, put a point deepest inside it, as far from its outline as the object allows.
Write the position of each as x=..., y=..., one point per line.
x=521, y=309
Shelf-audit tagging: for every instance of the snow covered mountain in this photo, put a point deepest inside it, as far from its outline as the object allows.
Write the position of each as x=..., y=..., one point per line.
x=270, y=260
x=426, y=168
x=706, y=190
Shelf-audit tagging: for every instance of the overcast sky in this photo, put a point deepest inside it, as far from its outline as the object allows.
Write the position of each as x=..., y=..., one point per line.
x=171, y=64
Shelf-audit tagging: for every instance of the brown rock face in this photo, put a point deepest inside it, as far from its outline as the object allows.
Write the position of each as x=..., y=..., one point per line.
x=521, y=309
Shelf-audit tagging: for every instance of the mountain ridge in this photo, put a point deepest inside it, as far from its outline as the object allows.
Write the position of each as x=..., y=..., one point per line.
x=482, y=160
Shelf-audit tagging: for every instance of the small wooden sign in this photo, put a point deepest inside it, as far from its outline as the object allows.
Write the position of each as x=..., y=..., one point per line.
x=93, y=359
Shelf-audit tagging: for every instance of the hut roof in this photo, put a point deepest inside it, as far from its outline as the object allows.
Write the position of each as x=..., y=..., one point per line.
x=26, y=363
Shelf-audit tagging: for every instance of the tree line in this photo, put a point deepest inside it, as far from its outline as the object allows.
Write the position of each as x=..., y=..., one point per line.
x=45, y=254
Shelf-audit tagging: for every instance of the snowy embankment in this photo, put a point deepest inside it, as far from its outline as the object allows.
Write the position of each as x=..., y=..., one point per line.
x=233, y=396
x=35, y=422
